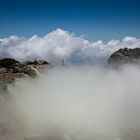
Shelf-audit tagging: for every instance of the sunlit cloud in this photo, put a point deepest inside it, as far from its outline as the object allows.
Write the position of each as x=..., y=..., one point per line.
x=60, y=44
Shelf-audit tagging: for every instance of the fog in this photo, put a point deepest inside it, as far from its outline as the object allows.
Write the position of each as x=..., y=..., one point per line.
x=73, y=103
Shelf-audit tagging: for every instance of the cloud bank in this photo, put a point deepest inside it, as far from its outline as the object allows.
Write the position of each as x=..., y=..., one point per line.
x=60, y=44
x=76, y=103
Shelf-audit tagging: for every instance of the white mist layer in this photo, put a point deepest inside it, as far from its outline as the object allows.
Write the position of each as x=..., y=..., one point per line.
x=60, y=44
x=78, y=103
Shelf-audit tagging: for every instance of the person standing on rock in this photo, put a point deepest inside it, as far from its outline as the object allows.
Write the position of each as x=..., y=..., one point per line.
x=63, y=62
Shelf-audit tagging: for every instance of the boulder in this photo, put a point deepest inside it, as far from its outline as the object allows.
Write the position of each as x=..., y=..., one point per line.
x=26, y=69
x=11, y=69
x=8, y=62
x=125, y=56
x=42, y=62
x=40, y=65
x=35, y=62
x=31, y=71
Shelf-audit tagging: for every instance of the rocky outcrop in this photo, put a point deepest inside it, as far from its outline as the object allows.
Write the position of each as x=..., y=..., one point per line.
x=40, y=62
x=40, y=65
x=11, y=69
x=124, y=56
x=8, y=62
x=26, y=69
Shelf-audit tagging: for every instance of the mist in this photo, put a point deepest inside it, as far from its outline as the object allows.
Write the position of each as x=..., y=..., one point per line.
x=74, y=103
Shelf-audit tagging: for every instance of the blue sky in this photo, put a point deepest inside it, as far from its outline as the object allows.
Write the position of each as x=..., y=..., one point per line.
x=95, y=19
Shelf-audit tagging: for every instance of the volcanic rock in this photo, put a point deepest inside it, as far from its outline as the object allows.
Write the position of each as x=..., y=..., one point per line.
x=125, y=56
x=8, y=62
x=26, y=69
x=11, y=69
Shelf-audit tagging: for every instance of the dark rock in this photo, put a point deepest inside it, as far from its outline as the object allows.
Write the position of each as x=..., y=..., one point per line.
x=8, y=62
x=39, y=62
x=124, y=56
x=27, y=62
x=42, y=62
x=18, y=68
x=31, y=62
x=40, y=65
x=10, y=70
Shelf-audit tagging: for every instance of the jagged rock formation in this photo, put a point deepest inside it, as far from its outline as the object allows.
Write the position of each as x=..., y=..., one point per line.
x=26, y=69
x=124, y=56
x=8, y=62
x=11, y=69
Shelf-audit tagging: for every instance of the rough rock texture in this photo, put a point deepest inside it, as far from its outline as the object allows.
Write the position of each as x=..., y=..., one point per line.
x=26, y=69
x=8, y=62
x=124, y=56
x=10, y=69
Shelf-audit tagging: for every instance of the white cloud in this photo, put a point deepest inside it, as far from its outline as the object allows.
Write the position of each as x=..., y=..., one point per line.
x=60, y=44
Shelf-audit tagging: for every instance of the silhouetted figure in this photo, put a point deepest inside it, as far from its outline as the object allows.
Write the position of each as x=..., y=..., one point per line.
x=63, y=62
